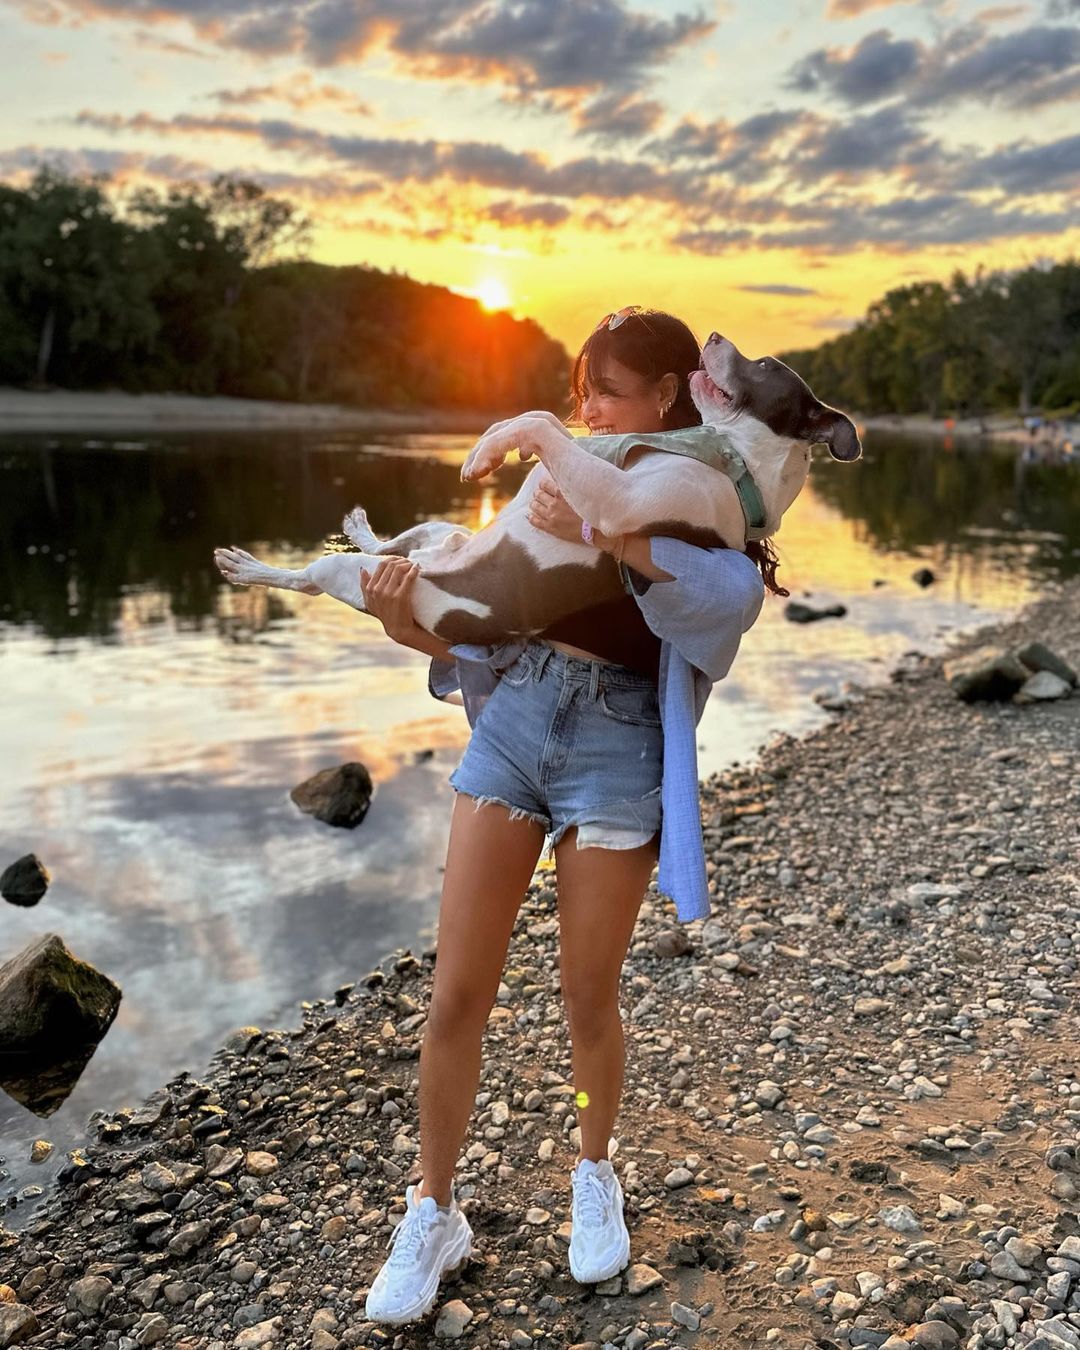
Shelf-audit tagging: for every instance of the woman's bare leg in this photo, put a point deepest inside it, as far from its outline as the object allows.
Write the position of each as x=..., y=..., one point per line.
x=600, y=893
x=489, y=863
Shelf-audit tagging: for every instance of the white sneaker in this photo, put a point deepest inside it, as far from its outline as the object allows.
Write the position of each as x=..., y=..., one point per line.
x=599, y=1242
x=426, y=1244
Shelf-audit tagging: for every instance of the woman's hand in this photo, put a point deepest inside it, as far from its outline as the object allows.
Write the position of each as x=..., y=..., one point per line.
x=551, y=512
x=387, y=594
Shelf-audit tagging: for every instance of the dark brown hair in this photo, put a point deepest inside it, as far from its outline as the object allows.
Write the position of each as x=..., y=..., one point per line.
x=655, y=344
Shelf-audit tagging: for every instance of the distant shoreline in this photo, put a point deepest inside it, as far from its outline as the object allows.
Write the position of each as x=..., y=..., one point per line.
x=995, y=427
x=79, y=411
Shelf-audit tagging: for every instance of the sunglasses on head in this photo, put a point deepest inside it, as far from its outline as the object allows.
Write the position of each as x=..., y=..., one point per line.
x=612, y=321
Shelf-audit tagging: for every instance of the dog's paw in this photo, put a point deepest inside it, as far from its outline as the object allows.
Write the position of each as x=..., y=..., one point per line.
x=356, y=528
x=485, y=458
x=234, y=564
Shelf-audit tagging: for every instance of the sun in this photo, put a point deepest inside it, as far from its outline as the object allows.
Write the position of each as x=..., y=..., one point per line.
x=492, y=293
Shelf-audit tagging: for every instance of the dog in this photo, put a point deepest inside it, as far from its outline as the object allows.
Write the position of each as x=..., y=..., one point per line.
x=511, y=579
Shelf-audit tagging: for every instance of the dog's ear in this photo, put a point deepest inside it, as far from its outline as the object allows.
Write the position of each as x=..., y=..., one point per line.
x=835, y=430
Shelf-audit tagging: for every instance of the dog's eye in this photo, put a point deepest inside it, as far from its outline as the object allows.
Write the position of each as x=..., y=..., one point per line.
x=763, y=363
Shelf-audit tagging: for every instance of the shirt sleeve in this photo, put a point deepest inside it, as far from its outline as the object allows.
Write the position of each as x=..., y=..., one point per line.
x=715, y=597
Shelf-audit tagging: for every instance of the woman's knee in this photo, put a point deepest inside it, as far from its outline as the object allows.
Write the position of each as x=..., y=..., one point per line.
x=590, y=1013
x=454, y=1011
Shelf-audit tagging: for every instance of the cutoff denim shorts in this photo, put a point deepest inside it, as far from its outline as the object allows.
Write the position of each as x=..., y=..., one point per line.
x=569, y=742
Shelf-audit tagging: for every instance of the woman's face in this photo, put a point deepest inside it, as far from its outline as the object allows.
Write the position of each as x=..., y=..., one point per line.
x=621, y=400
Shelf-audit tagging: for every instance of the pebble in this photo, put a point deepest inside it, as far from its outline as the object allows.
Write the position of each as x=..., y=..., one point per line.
x=641, y=1278
x=453, y=1318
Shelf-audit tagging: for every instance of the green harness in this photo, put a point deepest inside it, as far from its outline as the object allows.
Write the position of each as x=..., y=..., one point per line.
x=707, y=445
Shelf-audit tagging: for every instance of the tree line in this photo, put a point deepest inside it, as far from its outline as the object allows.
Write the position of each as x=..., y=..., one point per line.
x=203, y=289
x=991, y=342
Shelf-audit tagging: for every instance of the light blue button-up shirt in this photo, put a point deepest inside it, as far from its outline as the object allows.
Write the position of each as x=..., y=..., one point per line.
x=700, y=618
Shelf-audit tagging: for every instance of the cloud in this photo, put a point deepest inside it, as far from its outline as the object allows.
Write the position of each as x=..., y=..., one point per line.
x=617, y=117
x=744, y=151
x=1025, y=168
x=122, y=166
x=868, y=72
x=778, y=288
x=299, y=92
x=533, y=45
x=1030, y=67
x=908, y=223
x=852, y=9
x=875, y=143
x=399, y=160
x=527, y=214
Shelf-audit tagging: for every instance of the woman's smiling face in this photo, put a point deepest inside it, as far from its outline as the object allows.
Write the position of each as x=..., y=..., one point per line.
x=620, y=400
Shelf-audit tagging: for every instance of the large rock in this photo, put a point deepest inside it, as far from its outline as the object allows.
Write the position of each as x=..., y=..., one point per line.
x=52, y=1005
x=1037, y=656
x=25, y=881
x=338, y=796
x=1042, y=687
x=17, y=1324
x=986, y=673
x=797, y=612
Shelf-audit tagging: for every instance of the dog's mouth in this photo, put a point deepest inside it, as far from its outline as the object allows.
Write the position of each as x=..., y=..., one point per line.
x=710, y=389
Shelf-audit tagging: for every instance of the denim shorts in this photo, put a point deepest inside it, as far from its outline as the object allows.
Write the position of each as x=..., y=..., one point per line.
x=569, y=742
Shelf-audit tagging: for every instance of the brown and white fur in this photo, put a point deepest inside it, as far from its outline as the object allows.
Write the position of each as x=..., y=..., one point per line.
x=511, y=579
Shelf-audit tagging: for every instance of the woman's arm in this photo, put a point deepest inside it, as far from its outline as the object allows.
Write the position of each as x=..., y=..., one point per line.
x=549, y=510
x=387, y=595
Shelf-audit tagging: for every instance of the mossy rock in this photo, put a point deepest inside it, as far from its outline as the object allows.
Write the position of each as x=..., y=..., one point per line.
x=51, y=1003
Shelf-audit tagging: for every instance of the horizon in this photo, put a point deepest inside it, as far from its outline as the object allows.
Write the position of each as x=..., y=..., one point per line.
x=768, y=172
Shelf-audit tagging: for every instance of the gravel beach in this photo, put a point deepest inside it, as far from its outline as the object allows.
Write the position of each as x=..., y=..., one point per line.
x=852, y=1109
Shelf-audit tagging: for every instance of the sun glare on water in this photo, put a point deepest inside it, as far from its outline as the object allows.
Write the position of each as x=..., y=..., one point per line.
x=492, y=293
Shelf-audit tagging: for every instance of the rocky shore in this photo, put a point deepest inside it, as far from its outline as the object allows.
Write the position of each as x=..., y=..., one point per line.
x=852, y=1110
x=83, y=411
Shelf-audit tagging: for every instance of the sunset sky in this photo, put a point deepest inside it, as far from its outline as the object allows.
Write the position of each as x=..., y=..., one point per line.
x=760, y=167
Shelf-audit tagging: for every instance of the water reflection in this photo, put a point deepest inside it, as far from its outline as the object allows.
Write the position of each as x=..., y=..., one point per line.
x=155, y=718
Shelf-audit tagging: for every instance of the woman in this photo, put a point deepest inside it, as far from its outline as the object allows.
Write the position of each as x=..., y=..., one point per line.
x=571, y=743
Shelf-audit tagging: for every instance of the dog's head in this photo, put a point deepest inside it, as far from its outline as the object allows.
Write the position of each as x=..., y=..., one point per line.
x=729, y=386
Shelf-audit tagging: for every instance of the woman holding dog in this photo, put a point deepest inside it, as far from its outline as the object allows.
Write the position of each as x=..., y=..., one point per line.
x=571, y=745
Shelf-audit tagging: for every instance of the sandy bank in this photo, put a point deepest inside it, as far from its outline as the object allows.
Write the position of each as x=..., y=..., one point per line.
x=62, y=410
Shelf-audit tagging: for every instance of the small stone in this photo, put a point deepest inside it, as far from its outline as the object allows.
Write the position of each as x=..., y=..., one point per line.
x=673, y=942
x=900, y=1218
x=333, y=1230
x=40, y=1150
x=768, y=1094
x=189, y=1237
x=678, y=1177
x=537, y=1216
x=1006, y=1267
x=870, y=1007
x=453, y=1318
x=935, y=1336
x=685, y=1317
x=545, y=1150
x=260, y=1164
x=17, y=1324
x=641, y=1278
x=261, y=1334
x=87, y=1295
x=1025, y=1251
x=949, y=1207
x=1043, y=687
x=158, y=1178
